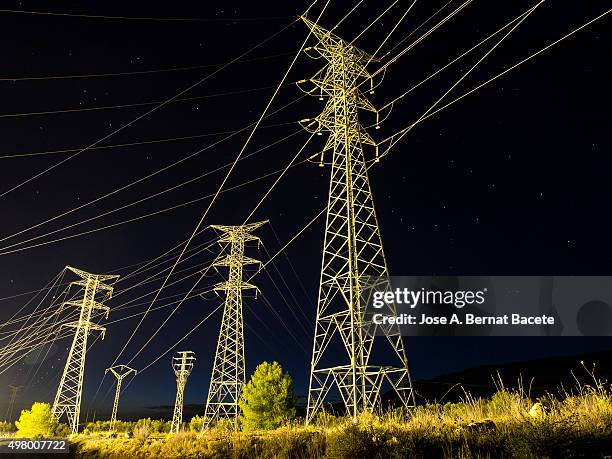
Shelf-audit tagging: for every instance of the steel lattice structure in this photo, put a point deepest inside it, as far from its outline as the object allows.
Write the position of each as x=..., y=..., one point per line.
x=119, y=372
x=14, y=391
x=182, y=365
x=228, y=373
x=353, y=263
x=68, y=397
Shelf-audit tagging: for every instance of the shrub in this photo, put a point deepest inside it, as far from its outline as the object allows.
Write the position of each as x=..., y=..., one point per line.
x=196, y=423
x=104, y=426
x=326, y=420
x=575, y=425
x=37, y=422
x=6, y=427
x=267, y=399
x=142, y=432
x=62, y=430
x=155, y=425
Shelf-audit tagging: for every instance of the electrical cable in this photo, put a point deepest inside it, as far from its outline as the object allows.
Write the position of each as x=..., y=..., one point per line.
x=204, y=215
x=132, y=105
x=147, y=113
x=146, y=198
x=403, y=131
x=137, y=72
x=461, y=56
x=137, y=18
x=139, y=180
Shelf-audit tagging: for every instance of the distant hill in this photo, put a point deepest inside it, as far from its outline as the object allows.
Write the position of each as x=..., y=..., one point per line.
x=538, y=377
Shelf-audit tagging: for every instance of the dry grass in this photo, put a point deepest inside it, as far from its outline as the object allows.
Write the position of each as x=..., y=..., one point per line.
x=576, y=424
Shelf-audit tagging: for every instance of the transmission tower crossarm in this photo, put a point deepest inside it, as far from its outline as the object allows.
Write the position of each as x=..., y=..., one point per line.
x=228, y=260
x=101, y=277
x=94, y=305
x=90, y=327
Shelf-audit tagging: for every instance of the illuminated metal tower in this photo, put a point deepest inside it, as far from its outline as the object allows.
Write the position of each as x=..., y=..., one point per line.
x=228, y=373
x=119, y=372
x=353, y=262
x=9, y=411
x=182, y=365
x=68, y=398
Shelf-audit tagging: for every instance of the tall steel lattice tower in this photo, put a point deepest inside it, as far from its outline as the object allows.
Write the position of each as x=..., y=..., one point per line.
x=182, y=365
x=119, y=372
x=353, y=262
x=68, y=398
x=228, y=373
x=14, y=391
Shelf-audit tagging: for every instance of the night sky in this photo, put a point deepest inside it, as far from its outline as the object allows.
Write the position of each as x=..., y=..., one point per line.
x=512, y=180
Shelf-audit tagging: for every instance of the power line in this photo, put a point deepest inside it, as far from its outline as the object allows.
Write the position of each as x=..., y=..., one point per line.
x=139, y=72
x=375, y=21
x=49, y=285
x=141, y=179
x=146, y=198
x=147, y=215
x=479, y=61
x=142, y=18
x=147, y=113
x=405, y=130
x=461, y=56
x=388, y=35
x=246, y=143
x=123, y=278
x=133, y=105
x=421, y=38
x=284, y=247
x=201, y=248
x=142, y=142
x=419, y=27
x=282, y=172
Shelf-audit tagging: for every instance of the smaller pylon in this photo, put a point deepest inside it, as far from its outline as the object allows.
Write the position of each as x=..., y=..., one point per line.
x=120, y=372
x=9, y=411
x=182, y=365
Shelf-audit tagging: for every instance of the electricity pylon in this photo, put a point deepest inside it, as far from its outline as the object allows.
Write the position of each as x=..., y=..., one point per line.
x=68, y=398
x=353, y=262
x=119, y=372
x=9, y=411
x=182, y=365
x=228, y=372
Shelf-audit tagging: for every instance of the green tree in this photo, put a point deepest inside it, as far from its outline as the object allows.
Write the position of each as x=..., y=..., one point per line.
x=267, y=399
x=37, y=422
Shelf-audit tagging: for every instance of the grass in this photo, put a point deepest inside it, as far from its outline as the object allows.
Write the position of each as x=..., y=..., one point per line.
x=572, y=424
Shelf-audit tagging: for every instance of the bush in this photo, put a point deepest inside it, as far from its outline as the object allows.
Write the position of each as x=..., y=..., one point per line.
x=37, y=422
x=572, y=425
x=144, y=428
x=154, y=425
x=326, y=420
x=196, y=423
x=6, y=427
x=142, y=432
x=104, y=426
x=267, y=399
